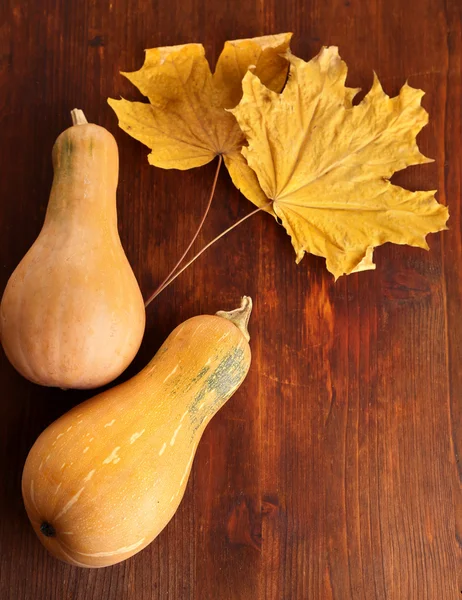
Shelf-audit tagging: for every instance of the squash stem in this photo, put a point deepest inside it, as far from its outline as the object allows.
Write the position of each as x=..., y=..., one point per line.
x=78, y=117
x=166, y=281
x=239, y=316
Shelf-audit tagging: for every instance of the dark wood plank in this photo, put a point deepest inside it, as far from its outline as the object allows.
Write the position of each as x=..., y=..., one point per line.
x=334, y=474
x=452, y=249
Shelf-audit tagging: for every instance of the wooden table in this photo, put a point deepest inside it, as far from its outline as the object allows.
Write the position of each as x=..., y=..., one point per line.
x=334, y=472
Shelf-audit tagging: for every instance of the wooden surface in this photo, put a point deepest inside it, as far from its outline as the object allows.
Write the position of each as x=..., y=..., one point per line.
x=334, y=473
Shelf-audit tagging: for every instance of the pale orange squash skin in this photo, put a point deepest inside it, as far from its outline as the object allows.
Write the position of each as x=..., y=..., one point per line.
x=110, y=474
x=72, y=314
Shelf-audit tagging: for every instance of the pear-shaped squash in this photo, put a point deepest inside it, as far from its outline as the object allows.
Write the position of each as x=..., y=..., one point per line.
x=72, y=314
x=103, y=480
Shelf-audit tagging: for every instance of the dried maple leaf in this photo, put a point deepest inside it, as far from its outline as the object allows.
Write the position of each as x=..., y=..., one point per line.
x=325, y=164
x=185, y=123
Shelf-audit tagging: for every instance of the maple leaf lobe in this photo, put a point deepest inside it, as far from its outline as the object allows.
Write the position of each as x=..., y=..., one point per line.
x=326, y=164
x=185, y=123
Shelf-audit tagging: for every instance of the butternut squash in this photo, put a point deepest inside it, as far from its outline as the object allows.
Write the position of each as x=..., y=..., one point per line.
x=103, y=480
x=72, y=314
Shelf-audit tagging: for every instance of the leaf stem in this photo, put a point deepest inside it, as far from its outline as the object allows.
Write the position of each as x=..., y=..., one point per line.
x=222, y=234
x=166, y=281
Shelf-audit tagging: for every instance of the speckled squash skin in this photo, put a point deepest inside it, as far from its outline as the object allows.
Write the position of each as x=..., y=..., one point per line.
x=102, y=481
x=72, y=314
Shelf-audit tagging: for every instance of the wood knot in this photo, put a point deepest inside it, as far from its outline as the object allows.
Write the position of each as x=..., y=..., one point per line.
x=244, y=524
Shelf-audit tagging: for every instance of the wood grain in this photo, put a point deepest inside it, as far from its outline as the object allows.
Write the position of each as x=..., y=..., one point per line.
x=334, y=474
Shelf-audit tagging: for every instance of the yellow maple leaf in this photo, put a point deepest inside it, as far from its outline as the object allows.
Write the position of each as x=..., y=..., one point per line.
x=185, y=123
x=325, y=164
